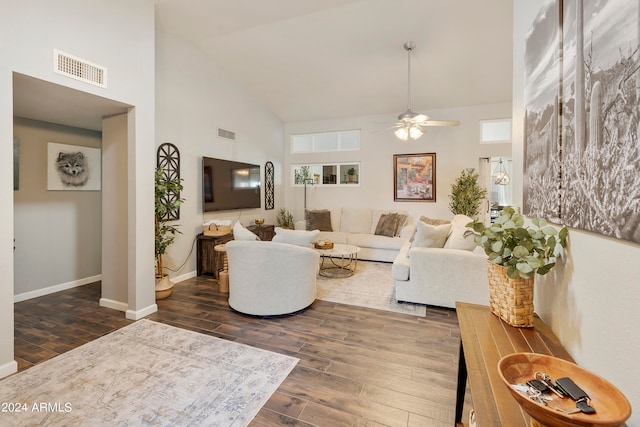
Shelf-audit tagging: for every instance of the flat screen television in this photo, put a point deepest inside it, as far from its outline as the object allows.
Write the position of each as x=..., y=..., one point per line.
x=228, y=185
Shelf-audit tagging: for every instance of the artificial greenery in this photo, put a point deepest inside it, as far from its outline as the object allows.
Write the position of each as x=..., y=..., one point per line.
x=523, y=250
x=165, y=202
x=284, y=219
x=466, y=194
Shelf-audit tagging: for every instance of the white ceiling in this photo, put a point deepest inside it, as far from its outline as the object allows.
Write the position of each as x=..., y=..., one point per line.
x=321, y=59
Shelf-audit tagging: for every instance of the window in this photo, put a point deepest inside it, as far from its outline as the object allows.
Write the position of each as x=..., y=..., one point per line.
x=348, y=140
x=326, y=174
x=495, y=131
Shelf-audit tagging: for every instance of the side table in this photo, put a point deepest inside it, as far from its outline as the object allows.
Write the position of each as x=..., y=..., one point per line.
x=207, y=260
x=264, y=231
x=223, y=276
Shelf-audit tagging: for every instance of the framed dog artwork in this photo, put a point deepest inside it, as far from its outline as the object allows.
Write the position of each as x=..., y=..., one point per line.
x=73, y=167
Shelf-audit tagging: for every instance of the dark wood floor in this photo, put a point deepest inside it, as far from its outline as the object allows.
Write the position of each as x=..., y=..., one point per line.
x=358, y=367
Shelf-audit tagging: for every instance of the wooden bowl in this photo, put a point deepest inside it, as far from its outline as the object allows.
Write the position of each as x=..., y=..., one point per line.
x=612, y=407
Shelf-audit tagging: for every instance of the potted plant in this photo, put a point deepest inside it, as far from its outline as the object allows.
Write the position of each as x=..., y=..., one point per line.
x=166, y=202
x=351, y=174
x=285, y=219
x=516, y=252
x=466, y=194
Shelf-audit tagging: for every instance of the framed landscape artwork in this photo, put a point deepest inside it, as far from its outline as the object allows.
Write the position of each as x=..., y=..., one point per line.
x=414, y=177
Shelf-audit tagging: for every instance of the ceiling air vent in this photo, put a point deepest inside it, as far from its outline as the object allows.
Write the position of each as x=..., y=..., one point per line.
x=79, y=69
x=226, y=134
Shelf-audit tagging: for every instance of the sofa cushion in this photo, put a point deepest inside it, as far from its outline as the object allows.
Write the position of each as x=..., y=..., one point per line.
x=295, y=237
x=387, y=225
x=430, y=236
x=356, y=220
x=318, y=220
x=402, y=265
x=460, y=237
x=333, y=236
x=367, y=240
x=241, y=233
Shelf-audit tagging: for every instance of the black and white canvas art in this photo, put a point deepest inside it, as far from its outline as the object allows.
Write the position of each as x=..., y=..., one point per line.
x=595, y=156
x=541, y=195
x=73, y=167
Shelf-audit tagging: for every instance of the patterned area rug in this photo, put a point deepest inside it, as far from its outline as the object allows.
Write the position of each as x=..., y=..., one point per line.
x=146, y=373
x=371, y=286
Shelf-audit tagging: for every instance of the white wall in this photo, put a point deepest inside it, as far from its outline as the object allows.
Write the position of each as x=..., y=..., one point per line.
x=456, y=148
x=29, y=32
x=193, y=99
x=58, y=233
x=592, y=300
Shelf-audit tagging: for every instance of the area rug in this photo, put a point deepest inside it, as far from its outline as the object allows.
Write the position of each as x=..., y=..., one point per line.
x=371, y=286
x=146, y=373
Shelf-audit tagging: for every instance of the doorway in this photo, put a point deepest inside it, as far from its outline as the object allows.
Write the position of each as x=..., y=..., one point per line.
x=495, y=175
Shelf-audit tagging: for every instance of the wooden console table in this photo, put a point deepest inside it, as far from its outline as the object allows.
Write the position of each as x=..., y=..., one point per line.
x=485, y=339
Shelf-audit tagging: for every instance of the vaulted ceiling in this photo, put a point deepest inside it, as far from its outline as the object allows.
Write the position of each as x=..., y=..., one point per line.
x=322, y=59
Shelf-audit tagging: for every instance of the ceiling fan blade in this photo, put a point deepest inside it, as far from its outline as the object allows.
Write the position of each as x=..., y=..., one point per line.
x=441, y=123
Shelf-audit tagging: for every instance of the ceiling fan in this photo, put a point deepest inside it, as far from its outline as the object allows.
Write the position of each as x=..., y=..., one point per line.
x=410, y=123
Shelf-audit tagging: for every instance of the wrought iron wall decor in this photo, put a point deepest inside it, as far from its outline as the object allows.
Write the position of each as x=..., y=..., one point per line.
x=269, y=201
x=168, y=159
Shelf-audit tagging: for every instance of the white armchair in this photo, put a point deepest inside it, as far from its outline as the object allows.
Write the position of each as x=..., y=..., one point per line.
x=271, y=278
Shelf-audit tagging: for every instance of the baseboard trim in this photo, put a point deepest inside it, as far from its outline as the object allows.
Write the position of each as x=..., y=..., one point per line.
x=8, y=369
x=56, y=288
x=116, y=305
x=137, y=315
x=184, y=276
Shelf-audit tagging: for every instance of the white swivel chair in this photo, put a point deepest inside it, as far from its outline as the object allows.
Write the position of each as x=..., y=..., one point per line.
x=271, y=278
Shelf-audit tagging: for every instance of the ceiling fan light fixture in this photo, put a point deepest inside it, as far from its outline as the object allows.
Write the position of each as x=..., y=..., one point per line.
x=410, y=123
x=402, y=133
x=415, y=132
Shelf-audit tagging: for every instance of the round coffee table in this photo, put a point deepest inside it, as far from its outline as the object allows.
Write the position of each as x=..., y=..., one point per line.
x=339, y=261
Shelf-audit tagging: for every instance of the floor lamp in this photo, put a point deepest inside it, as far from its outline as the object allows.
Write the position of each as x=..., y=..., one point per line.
x=306, y=181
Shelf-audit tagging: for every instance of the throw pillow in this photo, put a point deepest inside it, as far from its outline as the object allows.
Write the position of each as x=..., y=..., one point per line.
x=318, y=220
x=430, y=236
x=432, y=221
x=241, y=233
x=387, y=225
x=460, y=237
x=295, y=237
x=402, y=221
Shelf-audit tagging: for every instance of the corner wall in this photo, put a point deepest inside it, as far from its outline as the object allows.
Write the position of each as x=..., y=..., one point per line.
x=29, y=32
x=591, y=300
x=194, y=98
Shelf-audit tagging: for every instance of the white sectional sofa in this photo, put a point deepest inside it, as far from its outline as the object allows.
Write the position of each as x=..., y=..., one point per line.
x=454, y=270
x=357, y=226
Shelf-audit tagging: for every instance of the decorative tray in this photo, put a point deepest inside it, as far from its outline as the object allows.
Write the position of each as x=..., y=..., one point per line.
x=611, y=406
x=323, y=245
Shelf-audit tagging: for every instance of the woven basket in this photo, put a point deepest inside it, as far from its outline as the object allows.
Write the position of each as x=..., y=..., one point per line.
x=510, y=299
x=213, y=230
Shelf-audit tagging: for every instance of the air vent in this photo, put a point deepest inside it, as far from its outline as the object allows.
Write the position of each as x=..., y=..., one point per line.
x=79, y=69
x=226, y=134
